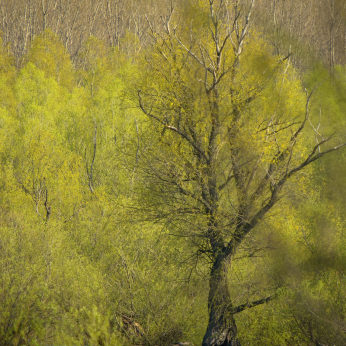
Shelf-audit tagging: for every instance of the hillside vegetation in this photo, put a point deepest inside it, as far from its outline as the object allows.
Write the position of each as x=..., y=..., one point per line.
x=172, y=172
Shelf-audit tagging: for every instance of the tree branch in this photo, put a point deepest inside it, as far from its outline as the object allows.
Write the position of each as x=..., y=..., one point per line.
x=244, y=228
x=90, y=174
x=248, y=305
x=190, y=140
x=193, y=54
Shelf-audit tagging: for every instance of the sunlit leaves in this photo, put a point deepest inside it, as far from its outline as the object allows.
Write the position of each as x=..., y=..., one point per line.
x=48, y=53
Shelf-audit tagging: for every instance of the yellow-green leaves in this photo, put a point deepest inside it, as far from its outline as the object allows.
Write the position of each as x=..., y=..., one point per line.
x=48, y=54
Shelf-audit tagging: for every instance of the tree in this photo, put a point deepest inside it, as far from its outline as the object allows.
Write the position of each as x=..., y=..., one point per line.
x=231, y=121
x=43, y=196
x=49, y=55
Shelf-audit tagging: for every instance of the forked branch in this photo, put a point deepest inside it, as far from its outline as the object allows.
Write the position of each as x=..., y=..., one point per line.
x=180, y=132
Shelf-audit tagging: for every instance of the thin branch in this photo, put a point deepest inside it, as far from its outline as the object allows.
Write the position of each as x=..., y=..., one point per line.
x=250, y=305
x=47, y=207
x=282, y=155
x=193, y=54
x=223, y=185
x=90, y=174
x=238, y=47
x=278, y=130
x=190, y=194
x=190, y=140
x=311, y=158
x=243, y=229
x=317, y=134
x=74, y=214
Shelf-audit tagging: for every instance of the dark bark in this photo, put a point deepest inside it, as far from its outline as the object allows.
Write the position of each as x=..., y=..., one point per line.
x=222, y=329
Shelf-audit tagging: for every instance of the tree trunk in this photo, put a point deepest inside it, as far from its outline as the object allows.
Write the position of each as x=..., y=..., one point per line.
x=222, y=329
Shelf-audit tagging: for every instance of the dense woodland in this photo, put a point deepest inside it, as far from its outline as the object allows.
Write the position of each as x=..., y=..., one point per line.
x=173, y=172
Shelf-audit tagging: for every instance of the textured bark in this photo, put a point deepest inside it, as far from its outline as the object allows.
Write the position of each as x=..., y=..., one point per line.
x=222, y=329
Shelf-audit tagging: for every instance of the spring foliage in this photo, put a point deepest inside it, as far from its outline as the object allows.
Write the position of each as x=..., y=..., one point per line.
x=79, y=165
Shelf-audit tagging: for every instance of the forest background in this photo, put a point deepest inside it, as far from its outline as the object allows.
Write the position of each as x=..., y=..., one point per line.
x=99, y=242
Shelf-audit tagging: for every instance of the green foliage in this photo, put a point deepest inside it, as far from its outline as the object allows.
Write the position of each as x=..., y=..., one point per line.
x=49, y=55
x=65, y=272
x=7, y=78
x=90, y=236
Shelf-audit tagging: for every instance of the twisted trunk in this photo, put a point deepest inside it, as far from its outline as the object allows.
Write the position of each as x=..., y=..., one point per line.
x=222, y=329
